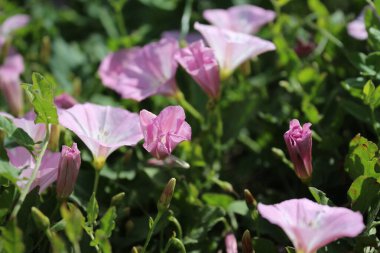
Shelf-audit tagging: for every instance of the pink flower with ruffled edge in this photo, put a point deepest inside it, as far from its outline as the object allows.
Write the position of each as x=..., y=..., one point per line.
x=231, y=243
x=163, y=132
x=142, y=72
x=242, y=18
x=47, y=174
x=309, y=225
x=102, y=128
x=199, y=61
x=232, y=49
x=298, y=140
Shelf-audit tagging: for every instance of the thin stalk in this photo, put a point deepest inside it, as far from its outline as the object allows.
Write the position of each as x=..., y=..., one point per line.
x=151, y=230
x=96, y=181
x=25, y=191
x=120, y=22
x=188, y=107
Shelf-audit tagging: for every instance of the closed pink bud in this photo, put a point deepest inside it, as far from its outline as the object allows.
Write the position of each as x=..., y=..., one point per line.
x=164, y=132
x=65, y=101
x=199, y=61
x=298, y=140
x=68, y=170
x=231, y=244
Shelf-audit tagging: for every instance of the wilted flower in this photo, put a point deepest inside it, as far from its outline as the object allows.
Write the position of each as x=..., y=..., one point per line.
x=311, y=226
x=65, y=101
x=102, y=128
x=243, y=18
x=231, y=243
x=356, y=28
x=164, y=132
x=199, y=61
x=68, y=170
x=142, y=72
x=21, y=158
x=232, y=49
x=299, y=143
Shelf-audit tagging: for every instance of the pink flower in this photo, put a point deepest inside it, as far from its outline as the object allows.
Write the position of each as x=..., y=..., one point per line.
x=199, y=62
x=356, y=28
x=231, y=244
x=190, y=37
x=65, y=101
x=102, y=128
x=232, y=49
x=311, y=226
x=68, y=170
x=299, y=143
x=164, y=132
x=243, y=18
x=142, y=72
x=13, y=23
x=47, y=174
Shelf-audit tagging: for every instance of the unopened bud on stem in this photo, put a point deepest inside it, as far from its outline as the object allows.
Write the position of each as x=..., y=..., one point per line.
x=249, y=199
x=246, y=242
x=166, y=196
x=40, y=219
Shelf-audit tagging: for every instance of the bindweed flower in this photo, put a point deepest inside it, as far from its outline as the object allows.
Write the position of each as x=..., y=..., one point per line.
x=199, y=61
x=13, y=23
x=65, y=101
x=231, y=243
x=21, y=158
x=189, y=38
x=356, y=28
x=231, y=49
x=298, y=140
x=102, y=128
x=68, y=169
x=164, y=132
x=309, y=225
x=243, y=18
x=142, y=72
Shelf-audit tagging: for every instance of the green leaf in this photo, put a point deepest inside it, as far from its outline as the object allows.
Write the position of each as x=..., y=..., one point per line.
x=362, y=158
x=8, y=171
x=15, y=136
x=92, y=209
x=74, y=221
x=41, y=95
x=362, y=192
x=374, y=38
x=107, y=223
x=11, y=238
x=218, y=200
x=371, y=95
x=354, y=86
x=57, y=243
x=320, y=196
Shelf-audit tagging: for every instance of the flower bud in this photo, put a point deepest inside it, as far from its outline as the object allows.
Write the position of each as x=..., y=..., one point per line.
x=246, y=242
x=231, y=243
x=166, y=195
x=249, y=199
x=40, y=219
x=116, y=200
x=68, y=170
x=298, y=140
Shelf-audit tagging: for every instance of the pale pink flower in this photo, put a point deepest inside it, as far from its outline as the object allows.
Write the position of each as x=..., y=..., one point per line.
x=174, y=34
x=142, y=72
x=242, y=18
x=13, y=23
x=298, y=140
x=65, y=101
x=164, y=132
x=311, y=226
x=232, y=49
x=199, y=61
x=356, y=28
x=68, y=169
x=102, y=128
x=47, y=173
x=231, y=243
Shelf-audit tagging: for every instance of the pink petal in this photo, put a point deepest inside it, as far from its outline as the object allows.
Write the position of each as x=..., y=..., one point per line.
x=13, y=23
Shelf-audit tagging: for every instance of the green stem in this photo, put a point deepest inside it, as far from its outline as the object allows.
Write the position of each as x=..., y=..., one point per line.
x=96, y=181
x=151, y=230
x=185, y=21
x=188, y=107
x=120, y=22
x=25, y=191
x=374, y=123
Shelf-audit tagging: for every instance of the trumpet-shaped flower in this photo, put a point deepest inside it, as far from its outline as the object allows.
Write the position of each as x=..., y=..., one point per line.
x=47, y=173
x=298, y=140
x=356, y=28
x=142, y=72
x=243, y=18
x=164, y=132
x=199, y=61
x=311, y=226
x=68, y=170
x=231, y=243
x=13, y=23
x=232, y=49
x=102, y=128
